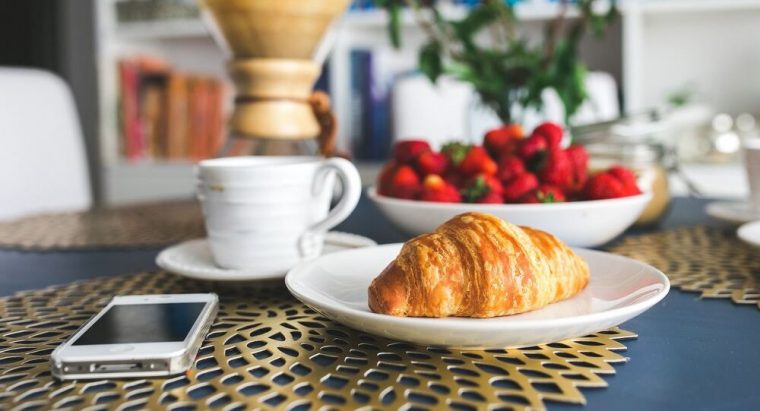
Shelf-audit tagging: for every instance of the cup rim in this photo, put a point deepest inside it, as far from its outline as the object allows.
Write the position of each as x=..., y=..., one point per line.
x=256, y=162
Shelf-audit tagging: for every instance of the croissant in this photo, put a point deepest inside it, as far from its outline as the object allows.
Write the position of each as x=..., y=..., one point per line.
x=477, y=265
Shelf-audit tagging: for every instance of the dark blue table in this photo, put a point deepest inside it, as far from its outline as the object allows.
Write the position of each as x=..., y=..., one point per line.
x=691, y=353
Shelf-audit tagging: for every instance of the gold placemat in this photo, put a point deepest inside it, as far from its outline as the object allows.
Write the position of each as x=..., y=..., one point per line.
x=710, y=261
x=268, y=350
x=135, y=226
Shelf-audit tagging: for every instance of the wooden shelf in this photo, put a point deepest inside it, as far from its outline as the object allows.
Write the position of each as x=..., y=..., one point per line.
x=162, y=29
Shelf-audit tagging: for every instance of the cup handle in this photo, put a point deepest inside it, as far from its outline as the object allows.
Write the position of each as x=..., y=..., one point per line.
x=352, y=188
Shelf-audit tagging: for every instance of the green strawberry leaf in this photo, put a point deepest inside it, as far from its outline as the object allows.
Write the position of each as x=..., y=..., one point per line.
x=475, y=191
x=455, y=151
x=546, y=198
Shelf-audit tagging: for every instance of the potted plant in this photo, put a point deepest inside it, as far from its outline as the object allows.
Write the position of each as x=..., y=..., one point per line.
x=508, y=72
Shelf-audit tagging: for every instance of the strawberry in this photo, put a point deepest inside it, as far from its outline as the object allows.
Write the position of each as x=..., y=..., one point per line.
x=519, y=186
x=627, y=178
x=455, y=151
x=552, y=132
x=548, y=193
x=480, y=187
x=470, y=160
x=540, y=196
x=435, y=188
x=603, y=186
x=477, y=161
x=491, y=198
x=385, y=179
x=407, y=151
x=509, y=166
x=531, y=146
x=579, y=160
x=431, y=162
x=455, y=179
x=405, y=183
x=502, y=140
x=556, y=169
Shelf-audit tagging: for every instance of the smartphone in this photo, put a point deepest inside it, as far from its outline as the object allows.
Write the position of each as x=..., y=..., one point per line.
x=138, y=336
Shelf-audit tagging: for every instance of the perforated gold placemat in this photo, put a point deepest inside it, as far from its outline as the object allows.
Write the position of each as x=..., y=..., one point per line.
x=710, y=261
x=134, y=226
x=268, y=350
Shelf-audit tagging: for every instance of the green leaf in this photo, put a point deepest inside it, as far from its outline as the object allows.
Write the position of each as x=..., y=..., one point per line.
x=455, y=151
x=394, y=24
x=430, y=61
x=475, y=190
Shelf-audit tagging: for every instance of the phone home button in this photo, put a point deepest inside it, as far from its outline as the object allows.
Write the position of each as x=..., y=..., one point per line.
x=121, y=348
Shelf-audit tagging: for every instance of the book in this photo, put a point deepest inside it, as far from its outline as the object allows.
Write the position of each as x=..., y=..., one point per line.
x=168, y=114
x=131, y=139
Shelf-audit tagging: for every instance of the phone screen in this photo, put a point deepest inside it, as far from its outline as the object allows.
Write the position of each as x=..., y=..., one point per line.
x=142, y=323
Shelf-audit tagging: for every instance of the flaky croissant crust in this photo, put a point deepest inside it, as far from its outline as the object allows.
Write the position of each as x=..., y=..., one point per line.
x=477, y=265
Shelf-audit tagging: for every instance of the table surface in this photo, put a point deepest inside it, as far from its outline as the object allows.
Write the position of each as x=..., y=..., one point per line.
x=691, y=353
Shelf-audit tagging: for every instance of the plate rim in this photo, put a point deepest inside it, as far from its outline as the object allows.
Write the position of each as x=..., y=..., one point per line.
x=741, y=232
x=225, y=275
x=465, y=324
x=715, y=209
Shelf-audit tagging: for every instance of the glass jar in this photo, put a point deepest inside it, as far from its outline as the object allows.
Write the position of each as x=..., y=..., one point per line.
x=246, y=146
x=649, y=160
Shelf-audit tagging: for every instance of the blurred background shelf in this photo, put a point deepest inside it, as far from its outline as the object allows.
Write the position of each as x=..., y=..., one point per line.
x=164, y=29
x=638, y=53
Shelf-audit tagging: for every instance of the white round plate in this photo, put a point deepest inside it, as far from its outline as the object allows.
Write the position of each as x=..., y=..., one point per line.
x=193, y=258
x=735, y=212
x=577, y=223
x=750, y=233
x=620, y=289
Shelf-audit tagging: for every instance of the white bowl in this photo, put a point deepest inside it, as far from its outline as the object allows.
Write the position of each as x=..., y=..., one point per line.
x=577, y=223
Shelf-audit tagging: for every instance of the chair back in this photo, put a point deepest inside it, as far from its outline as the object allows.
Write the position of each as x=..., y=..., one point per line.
x=43, y=165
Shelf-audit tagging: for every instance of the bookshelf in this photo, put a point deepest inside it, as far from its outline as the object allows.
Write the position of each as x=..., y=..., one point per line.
x=187, y=45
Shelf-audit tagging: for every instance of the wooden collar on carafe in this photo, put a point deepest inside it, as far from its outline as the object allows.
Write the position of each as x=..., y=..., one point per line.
x=272, y=98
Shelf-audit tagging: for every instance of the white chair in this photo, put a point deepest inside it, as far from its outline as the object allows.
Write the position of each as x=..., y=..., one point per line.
x=43, y=165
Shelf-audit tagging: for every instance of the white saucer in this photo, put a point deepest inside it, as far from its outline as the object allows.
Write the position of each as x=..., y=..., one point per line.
x=735, y=212
x=750, y=233
x=193, y=258
x=620, y=289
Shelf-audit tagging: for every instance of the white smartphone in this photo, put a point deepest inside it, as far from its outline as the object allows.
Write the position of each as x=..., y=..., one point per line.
x=138, y=336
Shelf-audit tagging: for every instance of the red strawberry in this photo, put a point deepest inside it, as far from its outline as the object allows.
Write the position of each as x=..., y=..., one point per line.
x=548, y=193
x=491, y=198
x=579, y=160
x=385, y=178
x=455, y=179
x=470, y=160
x=531, y=146
x=557, y=169
x=431, y=162
x=502, y=140
x=405, y=183
x=482, y=186
x=509, y=167
x=408, y=150
x=552, y=132
x=477, y=161
x=603, y=186
x=519, y=186
x=434, y=188
x=455, y=151
x=627, y=178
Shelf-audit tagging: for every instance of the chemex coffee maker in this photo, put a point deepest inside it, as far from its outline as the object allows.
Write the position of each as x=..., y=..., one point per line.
x=274, y=47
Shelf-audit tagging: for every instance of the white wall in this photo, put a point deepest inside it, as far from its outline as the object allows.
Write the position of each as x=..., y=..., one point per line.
x=717, y=51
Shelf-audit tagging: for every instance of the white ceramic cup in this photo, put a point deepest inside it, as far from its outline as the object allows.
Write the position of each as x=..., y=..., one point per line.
x=265, y=214
x=751, y=150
